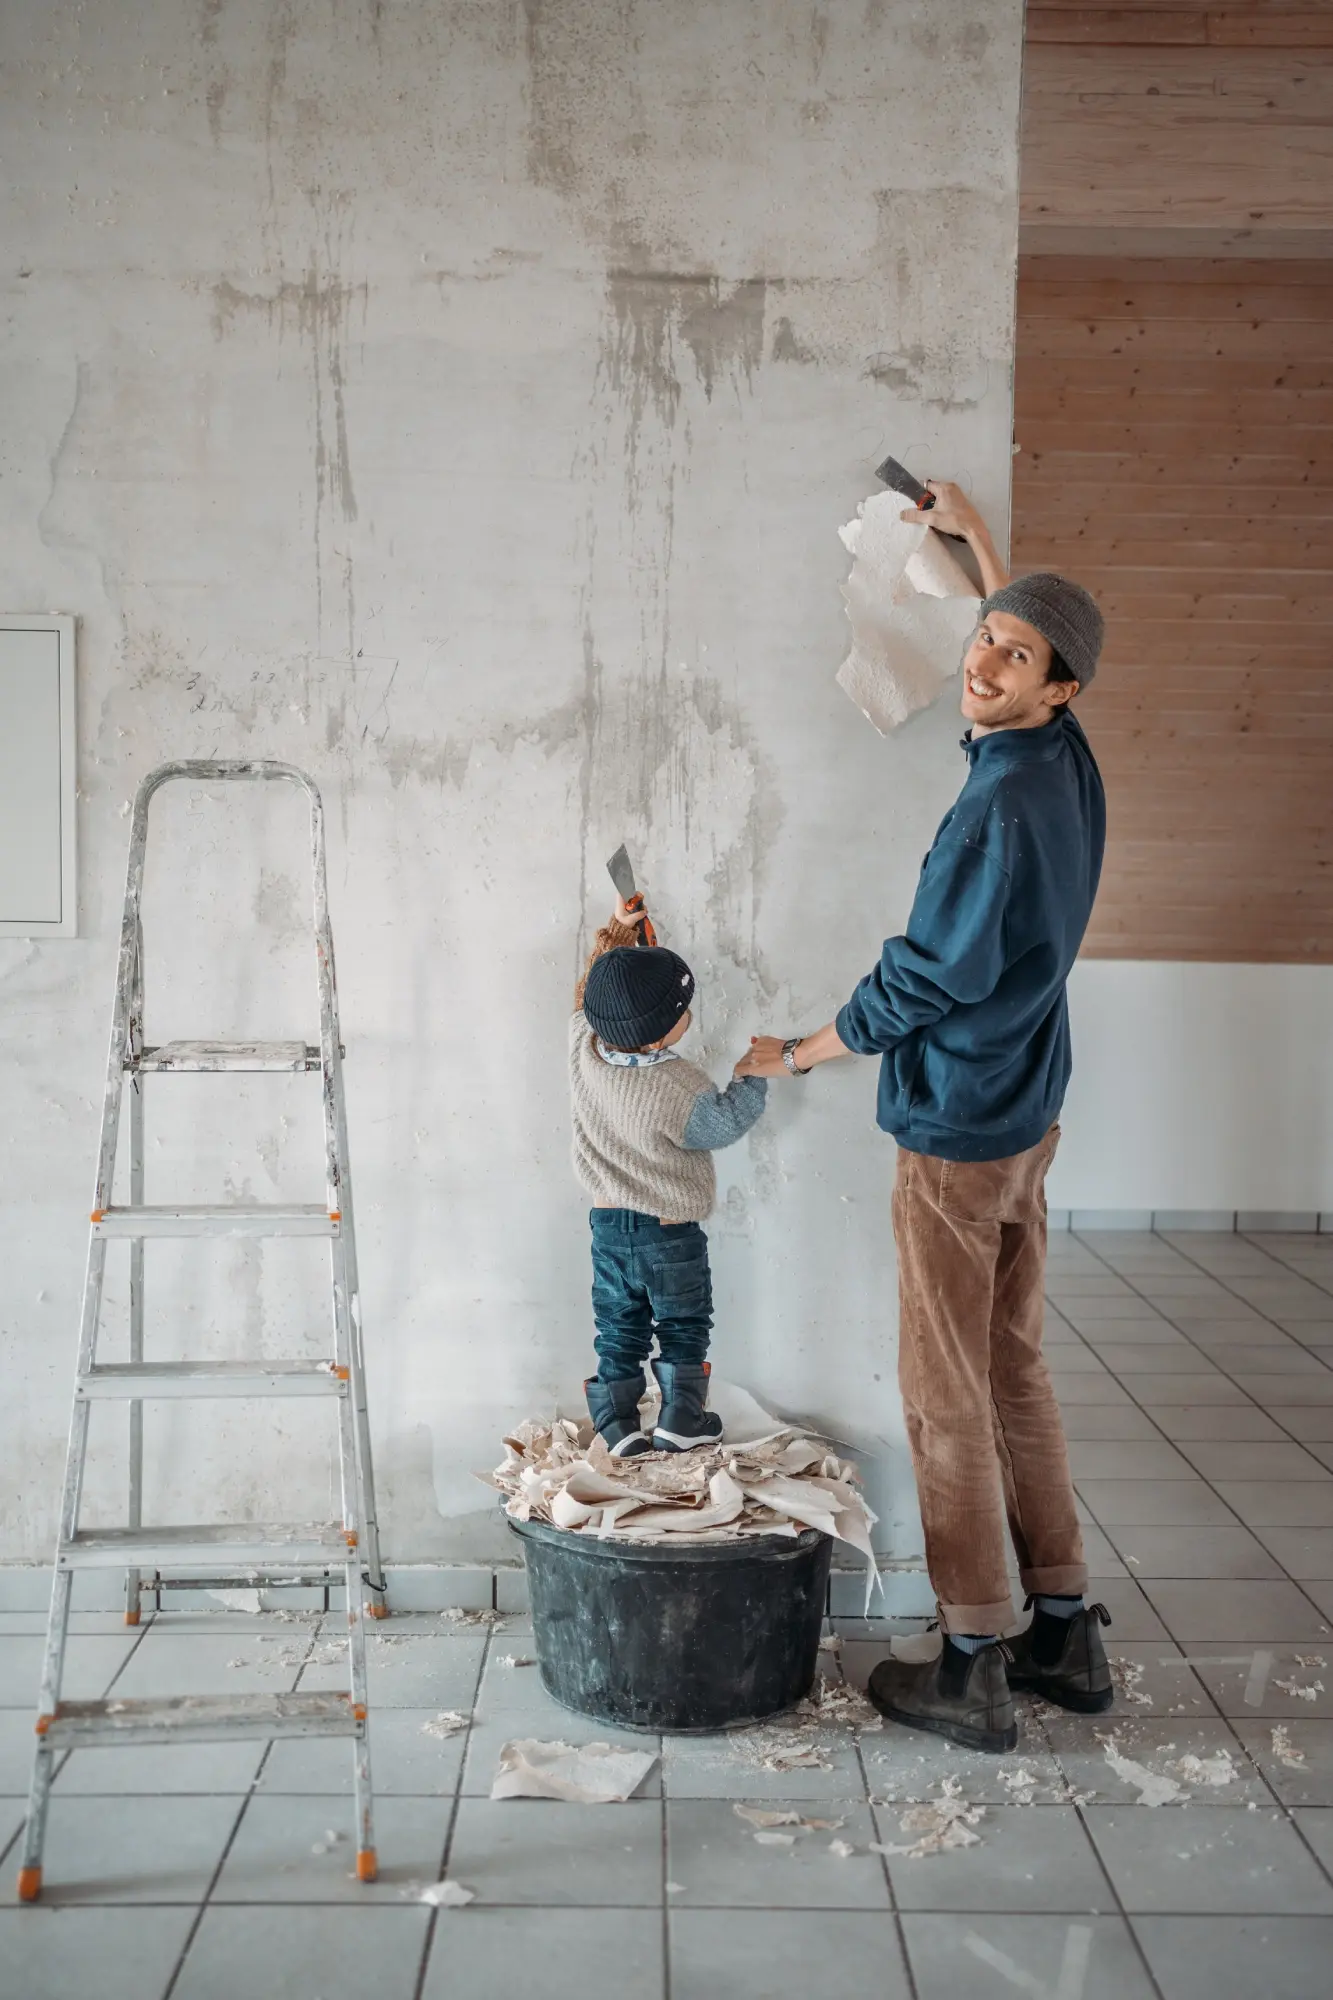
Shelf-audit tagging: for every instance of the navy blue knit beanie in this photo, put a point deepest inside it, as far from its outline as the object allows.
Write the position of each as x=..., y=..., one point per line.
x=636, y=994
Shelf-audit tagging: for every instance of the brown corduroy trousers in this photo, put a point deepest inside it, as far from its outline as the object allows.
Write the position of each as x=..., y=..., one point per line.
x=982, y=1418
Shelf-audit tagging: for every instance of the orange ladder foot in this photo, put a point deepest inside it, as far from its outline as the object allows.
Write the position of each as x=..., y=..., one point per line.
x=30, y=1884
x=132, y=1617
x=376, y=1610
x=367, y=1867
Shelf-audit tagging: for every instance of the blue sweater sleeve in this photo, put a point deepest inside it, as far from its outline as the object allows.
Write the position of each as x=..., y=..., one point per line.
x=720, y=1117
x=953, y=952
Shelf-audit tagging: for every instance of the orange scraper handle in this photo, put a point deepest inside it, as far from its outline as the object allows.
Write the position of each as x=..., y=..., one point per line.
x=646, y=931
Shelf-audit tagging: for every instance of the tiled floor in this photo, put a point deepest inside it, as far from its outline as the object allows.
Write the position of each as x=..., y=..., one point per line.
x=1196, y=1374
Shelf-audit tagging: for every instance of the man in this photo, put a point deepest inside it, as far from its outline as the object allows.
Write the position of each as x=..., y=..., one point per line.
x=969, y=1014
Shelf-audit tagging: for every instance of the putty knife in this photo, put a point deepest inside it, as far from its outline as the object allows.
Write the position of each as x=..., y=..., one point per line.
x=899, y=480
x=621, y=871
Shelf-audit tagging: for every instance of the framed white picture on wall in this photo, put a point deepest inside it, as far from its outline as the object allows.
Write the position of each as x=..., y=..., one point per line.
x=38, y=873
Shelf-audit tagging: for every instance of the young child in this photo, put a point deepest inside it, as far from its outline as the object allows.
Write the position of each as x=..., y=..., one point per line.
x=646, y=1123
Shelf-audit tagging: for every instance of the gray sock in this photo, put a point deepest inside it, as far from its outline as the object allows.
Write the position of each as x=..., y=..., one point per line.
x=1058, y=1607
x=970, y=1642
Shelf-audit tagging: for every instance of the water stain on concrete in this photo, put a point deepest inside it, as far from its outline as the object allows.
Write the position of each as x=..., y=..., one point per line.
x=788, y=346
x=317, y=307
x=911, y=377
x=723, y=327
x=652, y=314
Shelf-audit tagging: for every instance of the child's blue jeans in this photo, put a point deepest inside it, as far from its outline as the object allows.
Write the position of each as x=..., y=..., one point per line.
x=648, y=1277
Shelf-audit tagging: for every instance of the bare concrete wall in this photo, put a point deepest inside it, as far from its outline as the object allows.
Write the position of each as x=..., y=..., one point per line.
x=459, y=400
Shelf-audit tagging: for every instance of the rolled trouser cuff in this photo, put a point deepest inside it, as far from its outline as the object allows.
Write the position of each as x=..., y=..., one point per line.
x=978, y=1619
x=1061, y=1580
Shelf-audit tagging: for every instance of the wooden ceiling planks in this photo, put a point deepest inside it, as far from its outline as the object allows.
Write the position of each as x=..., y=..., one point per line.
x=1164, y=114
x=1182, y=467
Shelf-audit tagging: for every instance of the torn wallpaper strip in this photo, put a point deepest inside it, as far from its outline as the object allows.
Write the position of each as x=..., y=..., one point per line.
x=911, y=607
x=592, y=1774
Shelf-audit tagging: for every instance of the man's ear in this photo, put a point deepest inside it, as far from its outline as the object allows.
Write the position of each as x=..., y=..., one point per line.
x=1060, y=693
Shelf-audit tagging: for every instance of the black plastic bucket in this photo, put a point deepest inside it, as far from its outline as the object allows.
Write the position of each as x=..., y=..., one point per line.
x=651, y=1636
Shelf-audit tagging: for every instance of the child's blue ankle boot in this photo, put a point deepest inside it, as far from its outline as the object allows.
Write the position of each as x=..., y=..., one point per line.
x=683, y=1423
x=614, y=1409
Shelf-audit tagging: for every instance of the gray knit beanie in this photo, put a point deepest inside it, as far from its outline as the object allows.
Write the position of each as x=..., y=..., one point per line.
x=1064, y=614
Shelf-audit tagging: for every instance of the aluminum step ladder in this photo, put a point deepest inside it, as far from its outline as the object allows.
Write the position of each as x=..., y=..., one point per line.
x=344, y=1551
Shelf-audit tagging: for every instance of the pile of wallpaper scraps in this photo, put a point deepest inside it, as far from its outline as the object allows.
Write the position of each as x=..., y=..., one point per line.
x=559, y=1472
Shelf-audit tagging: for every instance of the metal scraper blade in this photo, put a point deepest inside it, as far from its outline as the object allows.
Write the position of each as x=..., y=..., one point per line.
x=621, y=871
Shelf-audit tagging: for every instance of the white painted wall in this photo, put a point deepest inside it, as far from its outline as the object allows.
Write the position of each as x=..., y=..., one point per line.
x=460, y=401
x=1205, y=1087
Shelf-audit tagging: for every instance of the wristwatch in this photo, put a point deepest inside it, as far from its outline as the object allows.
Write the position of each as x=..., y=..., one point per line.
x=789, y=1049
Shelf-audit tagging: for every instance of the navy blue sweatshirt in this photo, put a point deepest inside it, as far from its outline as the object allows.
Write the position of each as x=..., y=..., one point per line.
x=968, y=1009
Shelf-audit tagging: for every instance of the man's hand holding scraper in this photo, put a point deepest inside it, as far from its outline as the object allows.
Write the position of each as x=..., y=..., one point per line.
x=967, y=1010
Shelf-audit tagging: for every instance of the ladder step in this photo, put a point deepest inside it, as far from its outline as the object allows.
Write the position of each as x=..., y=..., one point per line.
x=198, y=1058
x=235, y=1218
x=137, y=1381
x=201, y=1719
x=227, y=1546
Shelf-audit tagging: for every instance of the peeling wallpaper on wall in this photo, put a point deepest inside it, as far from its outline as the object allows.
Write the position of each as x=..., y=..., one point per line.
x=460, y=402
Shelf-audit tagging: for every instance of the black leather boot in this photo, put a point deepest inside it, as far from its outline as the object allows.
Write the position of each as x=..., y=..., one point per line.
x=614, y=1409
x=964, y=1696
x=1069, y=1668
x=683, y=1423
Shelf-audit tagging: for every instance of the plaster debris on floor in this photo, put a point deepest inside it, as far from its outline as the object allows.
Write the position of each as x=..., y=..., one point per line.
x=1126, y=1676
x=940, y=1824
x=1300, y=1690
x=449, y=1722
x=1285, y=1750
x=589, y=1774
x=765, y=1818
x=1215, y=1770
x=448, y=1895
x=1154, y=1788
x=1021, y=1786
x=559, y=1471
x=911, y=608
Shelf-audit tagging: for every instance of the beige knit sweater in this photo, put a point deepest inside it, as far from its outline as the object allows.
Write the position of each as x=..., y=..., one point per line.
x=628, y=1128
x=631, y=1147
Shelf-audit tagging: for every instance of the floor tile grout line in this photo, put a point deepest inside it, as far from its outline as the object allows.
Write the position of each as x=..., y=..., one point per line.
x=1133, y=1396
x=203, y=1902
x=1121, y=1911
x=666, y=1864
x=1221, y=1497
x=1287, y=1812
x=139, y=1638
x=242, y=1809
x=428, y=1944
x=909, y=1969
x=1284, y=1265
x=1127, y=1278
x=1143, y=1412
